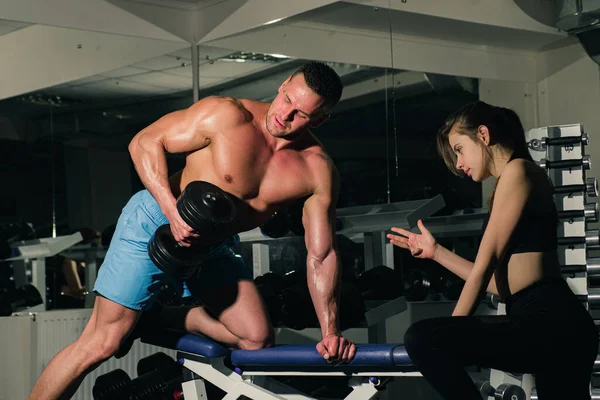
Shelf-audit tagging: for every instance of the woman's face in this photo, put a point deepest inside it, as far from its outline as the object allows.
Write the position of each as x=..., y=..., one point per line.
x=470, y=156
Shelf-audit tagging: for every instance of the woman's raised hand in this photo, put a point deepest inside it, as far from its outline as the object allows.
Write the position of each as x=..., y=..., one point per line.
x=421, y=245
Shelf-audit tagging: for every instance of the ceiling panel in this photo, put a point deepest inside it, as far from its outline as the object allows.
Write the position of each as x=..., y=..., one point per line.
x=7, y=26
x=426, y=26
x=228, y=69
x=160, y=63
x=110, y=88
x=162, y=79
x=125, y=71
x=204, y=51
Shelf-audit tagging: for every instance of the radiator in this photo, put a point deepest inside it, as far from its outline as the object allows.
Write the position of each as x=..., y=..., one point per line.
x=30, y=341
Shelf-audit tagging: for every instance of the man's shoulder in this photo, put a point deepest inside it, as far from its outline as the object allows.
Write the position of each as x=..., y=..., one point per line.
x=319, y=162
x=229, y=109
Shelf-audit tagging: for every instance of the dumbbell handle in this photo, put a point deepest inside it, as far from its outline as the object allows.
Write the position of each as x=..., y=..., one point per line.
x=590, y=188
x=592, y=268
x=591, y=239
x=564, y=140
x=592, y=298
x=590, y=212
x=585, y=161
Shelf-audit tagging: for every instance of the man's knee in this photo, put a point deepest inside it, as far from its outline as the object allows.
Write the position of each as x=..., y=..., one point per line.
x=100, y=345
x=258, y=339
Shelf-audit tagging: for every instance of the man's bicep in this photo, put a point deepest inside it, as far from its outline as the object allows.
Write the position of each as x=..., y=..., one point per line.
x=187, y=130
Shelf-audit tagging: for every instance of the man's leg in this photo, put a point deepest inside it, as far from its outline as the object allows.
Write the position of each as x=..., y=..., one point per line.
x=109, y=323
x=233, y=311
x=241, y=320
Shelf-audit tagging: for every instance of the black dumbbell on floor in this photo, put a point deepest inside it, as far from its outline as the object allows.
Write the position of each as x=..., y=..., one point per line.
x=504, y=391
x=380, y=283
x=270, y=286
x=416, y=285
x=18, y=299
x=207, y=210
x=113, y=385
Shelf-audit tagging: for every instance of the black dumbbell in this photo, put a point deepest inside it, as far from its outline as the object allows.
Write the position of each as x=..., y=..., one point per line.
x=13, y=232
x=206, y=209
x=591, y=239
x=154, y=362
x=590, y=212
x=543, y=143
x=585, y=161
x=277, y=225
x=113, y=385
x=492, y=300
x=416, y=285
x=566, y=140
x=504, y=391
x=297, y=309
x=380, y=283
x=590, y=188
x=270, y=286
x=158, y=374
x=452, y=288
x=298, y=312
x=18, y=299
x=592, y=268
x=156, y=383
x=351, y=306
x=294, y=216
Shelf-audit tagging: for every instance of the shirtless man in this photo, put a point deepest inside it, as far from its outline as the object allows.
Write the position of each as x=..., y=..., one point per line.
x=265, y=157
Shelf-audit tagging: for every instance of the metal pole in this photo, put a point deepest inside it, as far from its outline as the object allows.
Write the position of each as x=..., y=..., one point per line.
x=195, y=71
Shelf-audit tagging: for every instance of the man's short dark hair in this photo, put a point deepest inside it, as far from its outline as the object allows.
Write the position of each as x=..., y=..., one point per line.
x=322, y=80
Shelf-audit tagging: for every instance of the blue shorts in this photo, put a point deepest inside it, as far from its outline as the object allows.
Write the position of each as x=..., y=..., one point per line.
x=128, y=276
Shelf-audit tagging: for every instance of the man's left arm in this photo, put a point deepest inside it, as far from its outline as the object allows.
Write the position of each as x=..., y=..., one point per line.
x=322, y=265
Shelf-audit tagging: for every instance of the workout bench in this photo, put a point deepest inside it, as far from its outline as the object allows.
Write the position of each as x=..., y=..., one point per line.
x=248, y=372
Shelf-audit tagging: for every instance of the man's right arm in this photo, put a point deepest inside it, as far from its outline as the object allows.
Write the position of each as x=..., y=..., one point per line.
x=178, y=132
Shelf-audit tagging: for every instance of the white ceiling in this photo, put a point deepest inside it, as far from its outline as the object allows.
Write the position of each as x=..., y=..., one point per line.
x=172, y=72
x=162, y=75
x=426, y=26
x=7, y=26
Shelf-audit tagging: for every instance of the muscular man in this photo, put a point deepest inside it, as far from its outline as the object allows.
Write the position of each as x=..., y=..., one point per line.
x=265, y=157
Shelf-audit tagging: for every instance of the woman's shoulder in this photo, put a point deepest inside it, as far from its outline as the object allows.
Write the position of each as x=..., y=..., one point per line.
x=527, y=170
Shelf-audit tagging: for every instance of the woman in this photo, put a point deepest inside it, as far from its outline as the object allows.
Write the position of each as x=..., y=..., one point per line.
x=547, y=331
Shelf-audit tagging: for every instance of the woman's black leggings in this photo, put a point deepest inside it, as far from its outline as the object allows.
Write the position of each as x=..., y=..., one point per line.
x=546, y=332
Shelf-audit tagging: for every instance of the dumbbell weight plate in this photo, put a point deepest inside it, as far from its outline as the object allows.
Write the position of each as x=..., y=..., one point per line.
x=270, y=286
x=112, y=386
x=276, y=226
x=170, y=257
x=506, y=391
x=380, y=283
x=31, y=295
x=154, y=362
x=297, y=310
x=485, y=388
x=206, y=207
x=416, y=285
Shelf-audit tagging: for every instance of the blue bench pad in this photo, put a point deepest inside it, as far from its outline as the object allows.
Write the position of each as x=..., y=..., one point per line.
x=188, y=343
x=288, y=355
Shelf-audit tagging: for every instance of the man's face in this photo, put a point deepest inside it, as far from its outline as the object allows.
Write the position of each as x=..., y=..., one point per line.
x=295, y=108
